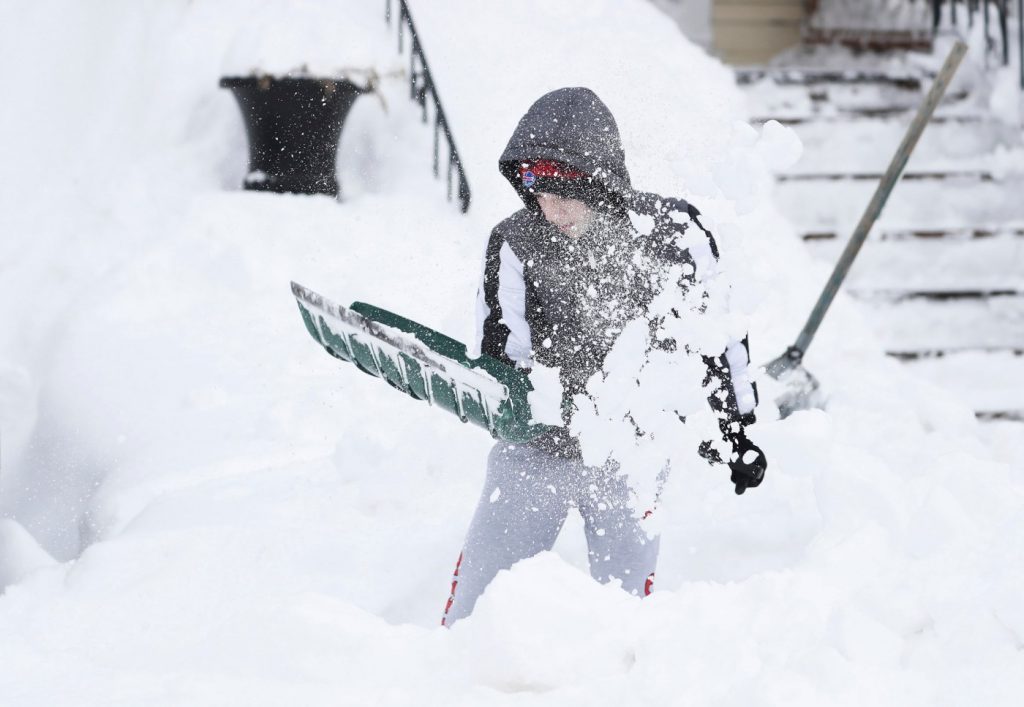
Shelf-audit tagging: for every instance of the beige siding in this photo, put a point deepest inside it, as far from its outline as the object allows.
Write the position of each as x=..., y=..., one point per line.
x=753, y=31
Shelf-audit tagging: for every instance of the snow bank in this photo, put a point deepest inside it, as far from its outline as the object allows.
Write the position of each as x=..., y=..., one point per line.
x=20, y=554
x=238, y=518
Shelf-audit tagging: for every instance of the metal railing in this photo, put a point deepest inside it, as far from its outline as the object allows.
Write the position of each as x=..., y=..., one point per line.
x=968, y=9
x=421, y=85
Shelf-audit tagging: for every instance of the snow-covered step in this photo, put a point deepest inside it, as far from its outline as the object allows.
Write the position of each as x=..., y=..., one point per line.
x=981, y=230
x=768, y=99
x=814, y=76
x=992, y=383
x=865, y=146
x=916, y=204
x=924, y=324
x=945, y=264
x=962, y=117
x=876, y=176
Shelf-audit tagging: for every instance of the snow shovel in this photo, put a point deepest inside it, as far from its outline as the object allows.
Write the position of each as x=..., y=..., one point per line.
x=424, y=364
x=800, y=387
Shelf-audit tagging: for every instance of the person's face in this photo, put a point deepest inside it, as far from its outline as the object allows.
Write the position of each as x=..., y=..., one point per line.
x=570, y=216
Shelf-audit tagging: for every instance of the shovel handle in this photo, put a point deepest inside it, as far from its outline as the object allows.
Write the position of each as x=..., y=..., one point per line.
x=885, y=186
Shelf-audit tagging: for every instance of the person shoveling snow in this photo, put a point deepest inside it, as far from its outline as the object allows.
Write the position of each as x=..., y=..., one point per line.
x=569, y=281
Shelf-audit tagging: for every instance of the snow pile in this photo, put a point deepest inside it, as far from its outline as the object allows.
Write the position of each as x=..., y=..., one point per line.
x=20, y=555
x=306, y=37
x=632, y=410
x=235, y=517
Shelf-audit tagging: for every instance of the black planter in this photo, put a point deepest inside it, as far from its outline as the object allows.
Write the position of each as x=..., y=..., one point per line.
x=293, y=126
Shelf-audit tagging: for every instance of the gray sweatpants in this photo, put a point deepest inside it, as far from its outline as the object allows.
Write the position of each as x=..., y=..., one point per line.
x=525, y=501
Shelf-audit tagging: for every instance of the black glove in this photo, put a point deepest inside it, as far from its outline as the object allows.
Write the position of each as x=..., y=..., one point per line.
x=747, y=462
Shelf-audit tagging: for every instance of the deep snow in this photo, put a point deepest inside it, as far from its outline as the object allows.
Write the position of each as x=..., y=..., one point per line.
x=203, y=508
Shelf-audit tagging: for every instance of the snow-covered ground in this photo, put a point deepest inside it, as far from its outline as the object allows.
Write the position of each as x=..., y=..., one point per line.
x=200, y=507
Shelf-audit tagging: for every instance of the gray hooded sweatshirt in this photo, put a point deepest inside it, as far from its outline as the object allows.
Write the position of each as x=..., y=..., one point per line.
x=560, y=300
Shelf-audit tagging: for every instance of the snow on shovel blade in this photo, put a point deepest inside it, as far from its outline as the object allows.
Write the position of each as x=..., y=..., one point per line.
x=796, y=388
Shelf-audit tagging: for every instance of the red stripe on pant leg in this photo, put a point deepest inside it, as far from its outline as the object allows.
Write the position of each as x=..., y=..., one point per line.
x=649, y=583
x=451, y=597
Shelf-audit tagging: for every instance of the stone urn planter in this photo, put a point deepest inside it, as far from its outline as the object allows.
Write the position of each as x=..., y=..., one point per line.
x=293, y=125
